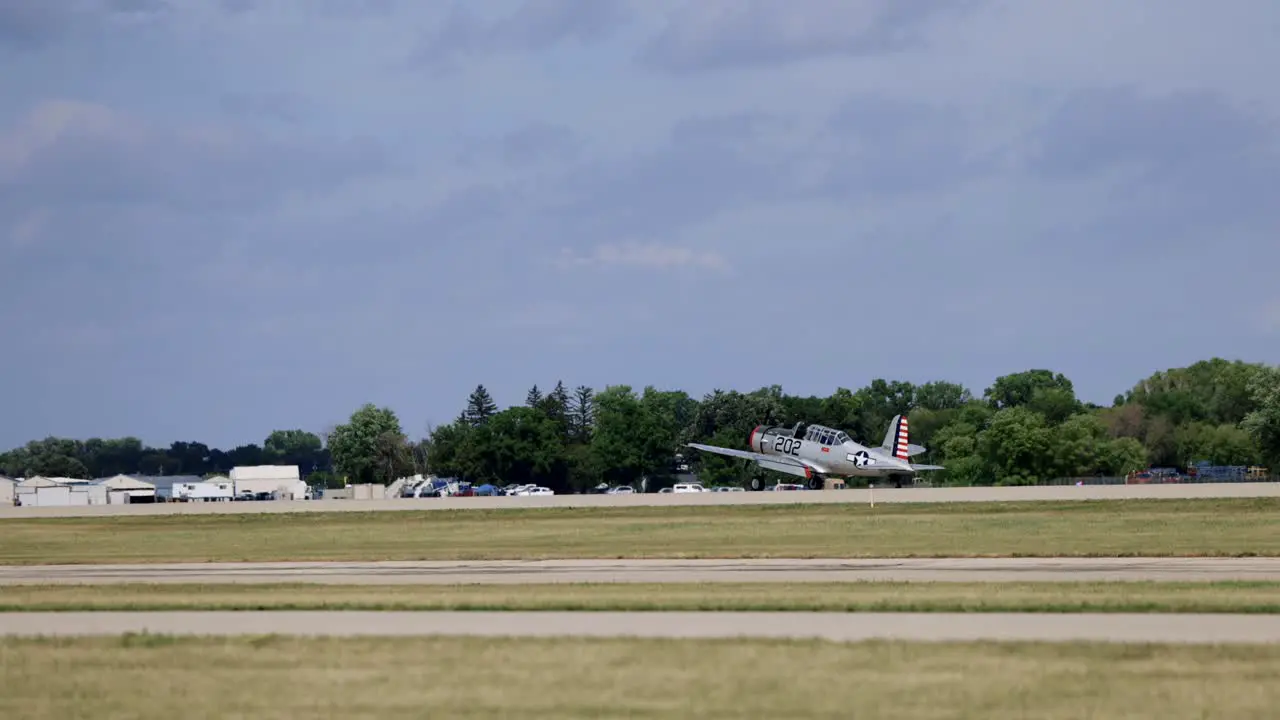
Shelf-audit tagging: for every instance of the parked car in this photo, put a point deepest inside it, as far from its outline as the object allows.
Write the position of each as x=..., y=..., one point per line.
x=688, y=488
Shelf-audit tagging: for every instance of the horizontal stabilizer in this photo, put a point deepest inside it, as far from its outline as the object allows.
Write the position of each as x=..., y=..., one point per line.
x=913, y=449
x=926, y=467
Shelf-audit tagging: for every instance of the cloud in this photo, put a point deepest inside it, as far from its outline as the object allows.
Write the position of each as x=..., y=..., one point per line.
x=336, y=8
x=1190, y=131
x=881, y=144
x=284, y=106
x=694, y=175
x=34, y=24
x=536, y=25
x=180, y=189
x=1180, y=162
x=529, y=145
x=1268, y=318
x=718, y=34
x=27, y=24
x=539, y=141
x=74, y=153
x=644, y=255
x=28, y=228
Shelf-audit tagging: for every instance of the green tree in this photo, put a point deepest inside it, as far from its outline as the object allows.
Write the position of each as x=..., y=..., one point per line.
x=1218, y=444
x=618, y=446
x=1215, y=391
x=534, y=397
x=1122, y=456
x=524, y=446
x=941, y=395
x=1019, y=389
x=1015, y=446
x=581, y=414
x=1263, y=422
x=295, y=447
x=556, y=407
x=371, y=447
x=480, y=407
x=1077, y=445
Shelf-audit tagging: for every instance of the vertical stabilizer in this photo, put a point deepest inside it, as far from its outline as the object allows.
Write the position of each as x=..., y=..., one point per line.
x=896, y=438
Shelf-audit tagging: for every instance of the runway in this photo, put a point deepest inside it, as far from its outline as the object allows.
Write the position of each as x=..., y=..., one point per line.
x=860, y=496
x=516, y=572
x=828, y=626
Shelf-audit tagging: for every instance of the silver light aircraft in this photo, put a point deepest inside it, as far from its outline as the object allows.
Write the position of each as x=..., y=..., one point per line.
x=816, y=452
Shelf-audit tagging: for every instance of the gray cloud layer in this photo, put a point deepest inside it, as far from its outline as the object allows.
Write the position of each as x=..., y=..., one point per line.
x=221, y=217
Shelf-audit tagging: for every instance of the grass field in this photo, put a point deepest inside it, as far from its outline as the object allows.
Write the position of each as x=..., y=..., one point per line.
x=284, y=677
x=1154, y=597
x=1207, y=527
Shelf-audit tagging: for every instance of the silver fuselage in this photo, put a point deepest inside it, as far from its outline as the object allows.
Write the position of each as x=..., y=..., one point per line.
x=829, y=451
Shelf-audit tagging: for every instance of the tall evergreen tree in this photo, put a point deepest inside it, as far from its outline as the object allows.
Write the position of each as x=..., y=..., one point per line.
x=534, y=398
x=480, y=407
x=556, y=406
x=581, y=414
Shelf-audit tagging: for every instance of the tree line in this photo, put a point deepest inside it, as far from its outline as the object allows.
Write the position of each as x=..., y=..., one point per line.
x=1027, y=427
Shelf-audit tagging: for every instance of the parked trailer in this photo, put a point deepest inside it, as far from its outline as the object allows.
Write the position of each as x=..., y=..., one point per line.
x=204, y=492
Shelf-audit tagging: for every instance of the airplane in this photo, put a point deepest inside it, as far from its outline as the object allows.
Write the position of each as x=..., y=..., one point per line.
x=816, y=452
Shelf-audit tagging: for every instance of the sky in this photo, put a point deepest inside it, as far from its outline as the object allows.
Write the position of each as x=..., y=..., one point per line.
x=223, y=217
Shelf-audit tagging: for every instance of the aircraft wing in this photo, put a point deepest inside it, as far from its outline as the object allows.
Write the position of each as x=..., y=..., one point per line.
x=780, y=463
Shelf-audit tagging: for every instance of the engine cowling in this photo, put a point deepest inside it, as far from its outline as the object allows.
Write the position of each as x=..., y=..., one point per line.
x=764, y=438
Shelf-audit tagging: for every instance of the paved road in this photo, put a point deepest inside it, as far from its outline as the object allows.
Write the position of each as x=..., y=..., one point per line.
x=862, y=496
x=514, y=572
x=830, y=626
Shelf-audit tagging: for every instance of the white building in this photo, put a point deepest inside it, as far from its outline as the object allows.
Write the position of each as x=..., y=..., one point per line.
x=44, y=491
x=282, y=481
x=122, y=489
x=6, y=490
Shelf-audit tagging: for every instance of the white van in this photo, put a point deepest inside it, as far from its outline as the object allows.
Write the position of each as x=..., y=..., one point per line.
x=688, y=488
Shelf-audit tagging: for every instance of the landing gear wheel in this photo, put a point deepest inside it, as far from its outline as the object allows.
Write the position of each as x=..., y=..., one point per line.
x=756, y=484
x=817, y=482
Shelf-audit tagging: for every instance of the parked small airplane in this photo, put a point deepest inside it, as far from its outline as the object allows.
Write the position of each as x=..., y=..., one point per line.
x=816, y=452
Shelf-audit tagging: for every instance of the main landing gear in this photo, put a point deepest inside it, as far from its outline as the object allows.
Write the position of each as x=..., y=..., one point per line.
x=817, y=482
x=756, y=483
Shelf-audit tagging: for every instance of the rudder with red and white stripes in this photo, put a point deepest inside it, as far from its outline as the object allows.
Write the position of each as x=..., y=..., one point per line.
x=897, y=439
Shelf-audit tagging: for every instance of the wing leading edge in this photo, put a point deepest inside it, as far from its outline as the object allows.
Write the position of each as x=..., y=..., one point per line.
x=779, y=463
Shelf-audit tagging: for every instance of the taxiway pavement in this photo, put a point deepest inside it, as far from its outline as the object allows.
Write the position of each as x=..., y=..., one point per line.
x=859, y=496
x=516, y=572
x=1106, y=627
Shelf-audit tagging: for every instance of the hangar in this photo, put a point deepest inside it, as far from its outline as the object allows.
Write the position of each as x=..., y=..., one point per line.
x=122, y=489
x=283, y=482
x=6, y=490
x=60, y=491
